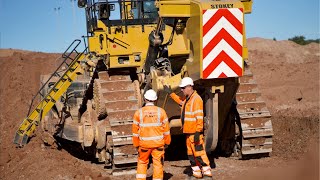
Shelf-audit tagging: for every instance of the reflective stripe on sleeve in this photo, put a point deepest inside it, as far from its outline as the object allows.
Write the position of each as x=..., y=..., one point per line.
x=136, y=122
x=199, y=117
x=166, y=133
x=151, y=138
x=135, y=135
x=165, y=120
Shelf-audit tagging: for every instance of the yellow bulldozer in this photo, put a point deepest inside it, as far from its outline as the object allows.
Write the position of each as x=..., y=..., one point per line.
x=136, y=45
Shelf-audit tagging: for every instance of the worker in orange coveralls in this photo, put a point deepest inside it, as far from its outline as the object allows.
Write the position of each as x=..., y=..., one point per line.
x=151, y=135
x=192, y=124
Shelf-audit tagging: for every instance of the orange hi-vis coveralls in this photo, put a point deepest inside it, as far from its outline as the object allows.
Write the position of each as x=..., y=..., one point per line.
x=192, y=122
x=151, y=132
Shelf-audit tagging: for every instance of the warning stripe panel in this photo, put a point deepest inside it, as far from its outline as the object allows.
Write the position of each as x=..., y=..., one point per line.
x=222, y=57
x=222, y=35
x=216, y=18
x=222, y=24
x=222, y=46
x=222, y=43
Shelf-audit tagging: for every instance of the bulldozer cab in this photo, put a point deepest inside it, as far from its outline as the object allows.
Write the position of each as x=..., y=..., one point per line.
x=120, y=13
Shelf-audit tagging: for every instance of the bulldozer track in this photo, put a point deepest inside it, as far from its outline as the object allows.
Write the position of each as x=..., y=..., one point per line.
x=118, y=97
x=255, y=117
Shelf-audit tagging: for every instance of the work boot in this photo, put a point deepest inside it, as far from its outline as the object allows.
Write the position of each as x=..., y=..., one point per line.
x=196, y=172
x=206, y=171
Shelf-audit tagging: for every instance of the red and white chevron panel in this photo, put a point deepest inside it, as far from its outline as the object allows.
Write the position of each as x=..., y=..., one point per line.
x=222, y=43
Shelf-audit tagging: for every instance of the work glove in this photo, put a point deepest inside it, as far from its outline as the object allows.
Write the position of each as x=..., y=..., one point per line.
x=197, y=137
x=167, y=89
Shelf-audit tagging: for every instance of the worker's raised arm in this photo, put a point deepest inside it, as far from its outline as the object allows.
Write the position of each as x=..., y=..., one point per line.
x=177, y=98
x=173, y=95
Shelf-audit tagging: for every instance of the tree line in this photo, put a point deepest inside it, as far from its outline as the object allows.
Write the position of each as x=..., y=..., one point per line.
x=303, y=41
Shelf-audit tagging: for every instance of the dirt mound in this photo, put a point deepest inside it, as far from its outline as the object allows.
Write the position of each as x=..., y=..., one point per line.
x=305, y=168
x=20, y=80
x=287, y=75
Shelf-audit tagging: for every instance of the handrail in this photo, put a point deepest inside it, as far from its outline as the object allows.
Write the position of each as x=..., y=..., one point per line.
x=54, y=73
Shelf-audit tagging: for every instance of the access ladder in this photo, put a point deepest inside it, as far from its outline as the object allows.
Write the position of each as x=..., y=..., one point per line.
x=72, y=61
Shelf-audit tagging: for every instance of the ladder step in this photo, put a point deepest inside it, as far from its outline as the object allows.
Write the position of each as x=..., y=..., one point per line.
x=51, y=98
x=71, y=69
x=69, y=79
x=28, y=126
x=36, y=123
x=56, y=74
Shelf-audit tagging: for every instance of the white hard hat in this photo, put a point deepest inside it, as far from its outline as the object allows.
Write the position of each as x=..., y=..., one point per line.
x=185, y=82
x=150, y=95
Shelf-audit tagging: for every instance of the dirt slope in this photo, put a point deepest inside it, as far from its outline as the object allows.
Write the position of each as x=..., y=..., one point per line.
x=288, y=77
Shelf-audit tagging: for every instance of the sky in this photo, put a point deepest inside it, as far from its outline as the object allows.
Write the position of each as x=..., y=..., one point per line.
x=52, y=25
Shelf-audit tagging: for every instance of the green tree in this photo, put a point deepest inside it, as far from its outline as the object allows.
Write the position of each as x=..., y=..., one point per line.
x=299, y=40
x=313, y=40
x=302, y=40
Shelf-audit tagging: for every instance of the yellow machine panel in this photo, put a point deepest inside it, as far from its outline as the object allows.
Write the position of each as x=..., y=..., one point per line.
x=134, y=46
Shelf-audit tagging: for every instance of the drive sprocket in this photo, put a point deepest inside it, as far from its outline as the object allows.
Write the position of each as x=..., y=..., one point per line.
x=99, y=101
